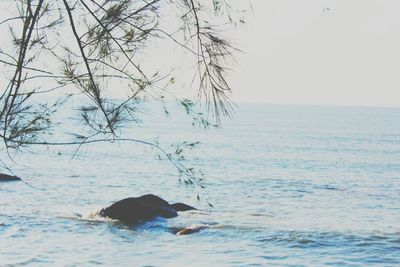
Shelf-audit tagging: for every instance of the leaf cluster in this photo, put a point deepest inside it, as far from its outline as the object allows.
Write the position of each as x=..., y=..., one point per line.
x=63, y=49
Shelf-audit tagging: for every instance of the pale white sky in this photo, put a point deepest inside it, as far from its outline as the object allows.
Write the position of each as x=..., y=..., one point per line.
x=298, y=52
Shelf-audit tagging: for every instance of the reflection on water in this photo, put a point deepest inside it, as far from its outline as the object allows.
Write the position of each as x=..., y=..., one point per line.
x=304, y=186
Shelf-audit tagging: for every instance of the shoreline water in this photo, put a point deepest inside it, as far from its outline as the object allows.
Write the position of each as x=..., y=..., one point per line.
x=289, y=186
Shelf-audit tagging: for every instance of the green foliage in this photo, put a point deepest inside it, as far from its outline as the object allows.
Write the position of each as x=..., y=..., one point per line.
x=72, y=48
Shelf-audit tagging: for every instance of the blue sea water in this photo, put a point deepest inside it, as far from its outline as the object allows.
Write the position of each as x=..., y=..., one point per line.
x=289, y=185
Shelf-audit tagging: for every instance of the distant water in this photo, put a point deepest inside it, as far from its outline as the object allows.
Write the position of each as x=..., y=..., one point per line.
x=290, y=186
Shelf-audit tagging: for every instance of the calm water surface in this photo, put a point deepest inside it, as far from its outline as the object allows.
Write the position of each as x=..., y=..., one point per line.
x=290, y=186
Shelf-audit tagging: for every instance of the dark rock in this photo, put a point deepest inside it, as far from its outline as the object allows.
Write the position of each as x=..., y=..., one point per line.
x=142, y=209
x=195, y=228
x=190, y=230
x=181, y=207
x=7, y=178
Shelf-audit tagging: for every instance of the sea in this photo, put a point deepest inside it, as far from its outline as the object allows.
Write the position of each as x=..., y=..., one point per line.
x=282, y=185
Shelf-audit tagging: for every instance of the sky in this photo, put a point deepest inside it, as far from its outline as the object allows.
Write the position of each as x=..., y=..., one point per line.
x=319, y=52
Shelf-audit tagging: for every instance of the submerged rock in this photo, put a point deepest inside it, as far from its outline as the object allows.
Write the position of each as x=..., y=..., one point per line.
x=7, y=178
x=191, y=229
x=136, y=210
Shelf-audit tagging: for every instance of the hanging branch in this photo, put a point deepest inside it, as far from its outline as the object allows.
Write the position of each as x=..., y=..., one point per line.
x=107, y=37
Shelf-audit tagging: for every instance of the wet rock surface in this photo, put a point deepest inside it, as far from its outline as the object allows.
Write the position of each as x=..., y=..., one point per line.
x=8, y=178
x=137, y=210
